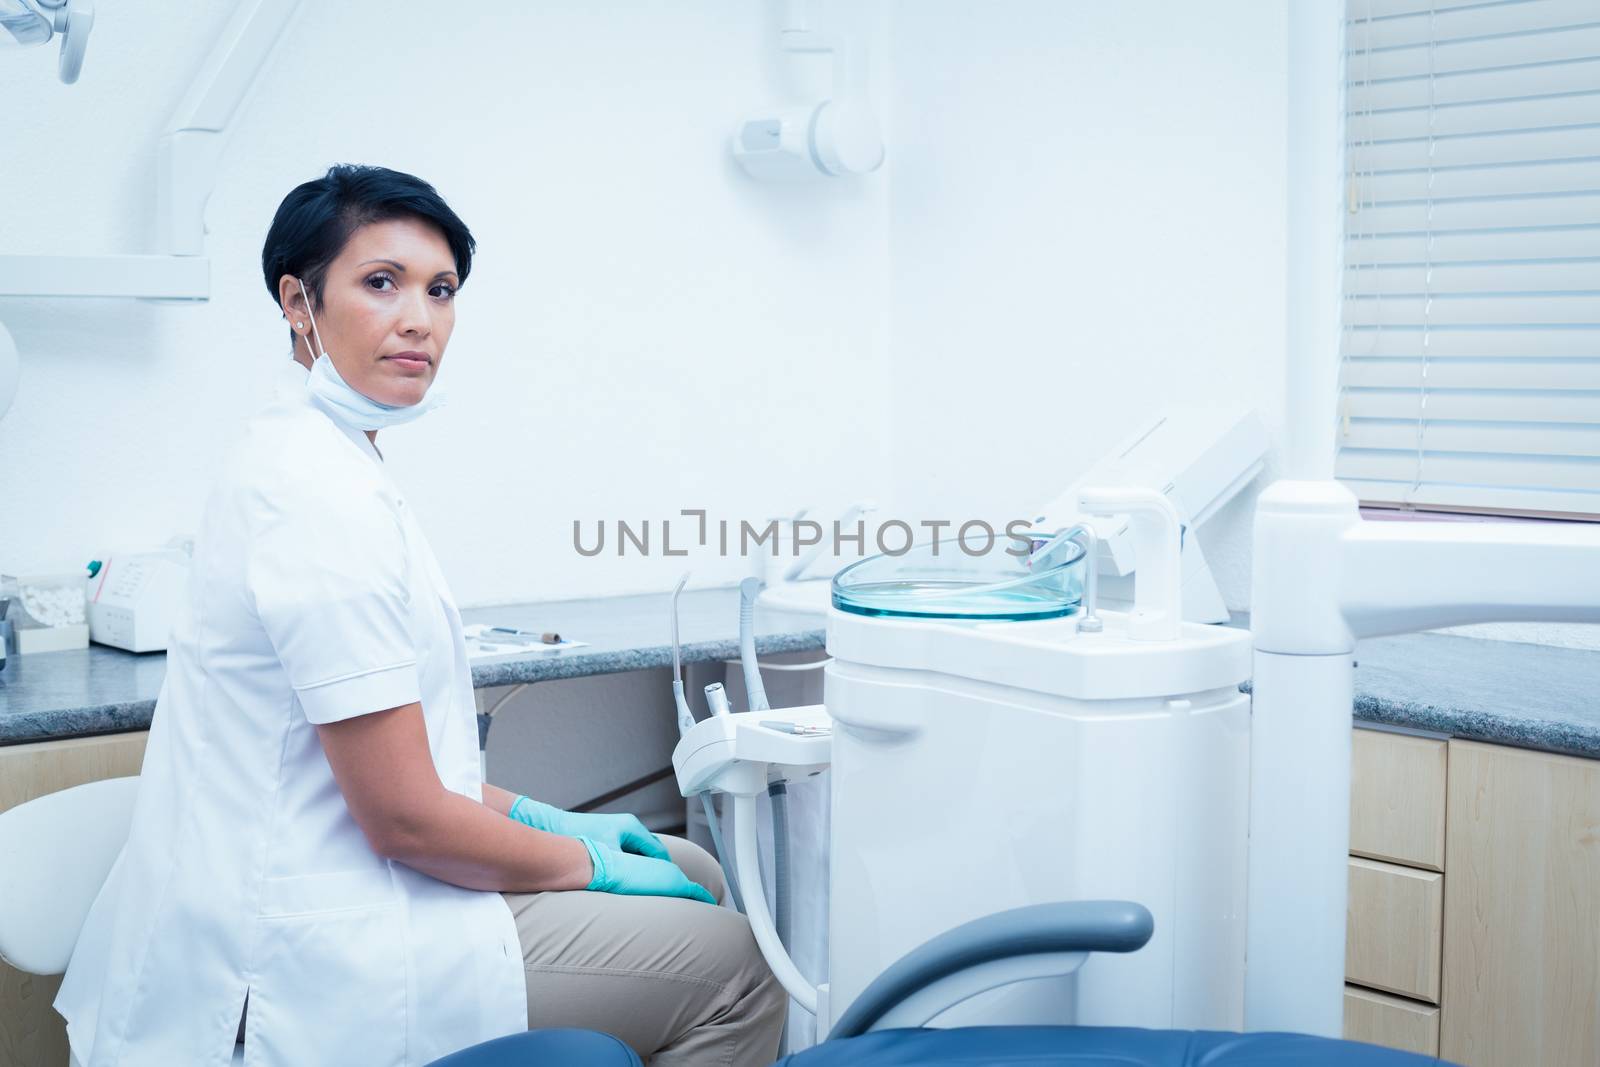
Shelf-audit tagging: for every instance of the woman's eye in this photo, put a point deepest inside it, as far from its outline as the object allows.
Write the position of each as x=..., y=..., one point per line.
x=441, y=291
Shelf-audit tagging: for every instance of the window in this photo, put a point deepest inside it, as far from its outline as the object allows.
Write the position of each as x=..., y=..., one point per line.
x=1470, y=377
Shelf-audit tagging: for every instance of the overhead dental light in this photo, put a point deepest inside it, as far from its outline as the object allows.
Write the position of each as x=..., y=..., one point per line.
x=31, y=22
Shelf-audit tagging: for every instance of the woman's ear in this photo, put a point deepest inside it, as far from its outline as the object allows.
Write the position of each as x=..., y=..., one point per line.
x=292, y=302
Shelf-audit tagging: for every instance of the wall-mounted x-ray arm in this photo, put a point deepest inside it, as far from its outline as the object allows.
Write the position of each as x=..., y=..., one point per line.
x=189, y=151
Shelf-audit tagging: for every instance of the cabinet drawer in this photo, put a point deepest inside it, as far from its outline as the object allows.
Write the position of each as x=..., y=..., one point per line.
x=1394, y=927
x=1380, y=1019
x=1397, y=796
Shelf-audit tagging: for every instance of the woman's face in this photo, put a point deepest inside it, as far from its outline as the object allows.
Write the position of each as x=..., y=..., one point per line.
x=388, y=306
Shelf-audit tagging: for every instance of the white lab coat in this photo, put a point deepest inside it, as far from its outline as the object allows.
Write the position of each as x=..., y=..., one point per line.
x=314, y=598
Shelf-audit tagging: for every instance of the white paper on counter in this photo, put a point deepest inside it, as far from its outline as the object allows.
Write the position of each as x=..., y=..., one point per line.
x=483, y=645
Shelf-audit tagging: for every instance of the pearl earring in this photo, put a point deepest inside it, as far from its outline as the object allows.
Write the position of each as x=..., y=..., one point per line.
x=299, y=325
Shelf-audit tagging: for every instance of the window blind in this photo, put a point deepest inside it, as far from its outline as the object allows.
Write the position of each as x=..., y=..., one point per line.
x=1470, y=371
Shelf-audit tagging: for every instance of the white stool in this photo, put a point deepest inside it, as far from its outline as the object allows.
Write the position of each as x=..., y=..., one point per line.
x=59, y=849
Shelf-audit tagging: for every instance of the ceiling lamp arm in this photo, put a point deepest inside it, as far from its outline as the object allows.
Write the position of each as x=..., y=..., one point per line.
x=192, y=145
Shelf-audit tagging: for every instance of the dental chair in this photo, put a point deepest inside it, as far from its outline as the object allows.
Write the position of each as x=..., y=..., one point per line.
x=885, y=1025
x=55, y=853
x=60, y=847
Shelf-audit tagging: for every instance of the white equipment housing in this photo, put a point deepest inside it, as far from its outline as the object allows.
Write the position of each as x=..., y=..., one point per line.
x=135, y=598
x=1039, y=764
x=982, y=765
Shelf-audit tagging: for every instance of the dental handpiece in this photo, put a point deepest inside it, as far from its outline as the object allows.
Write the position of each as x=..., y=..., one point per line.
x=717, y=699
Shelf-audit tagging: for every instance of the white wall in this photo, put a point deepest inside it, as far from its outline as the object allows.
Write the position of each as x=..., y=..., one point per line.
x=644, y=329
x=1082, y=219
x=1087, y=223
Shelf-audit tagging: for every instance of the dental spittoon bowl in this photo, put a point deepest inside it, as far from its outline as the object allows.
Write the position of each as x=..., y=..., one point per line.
x=950, y=584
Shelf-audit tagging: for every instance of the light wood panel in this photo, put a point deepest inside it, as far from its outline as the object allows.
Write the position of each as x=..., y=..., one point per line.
x=1380, y=1019
x=1522, y=913
x=1397, y=798
x=31, y=1033
x=1395, y=924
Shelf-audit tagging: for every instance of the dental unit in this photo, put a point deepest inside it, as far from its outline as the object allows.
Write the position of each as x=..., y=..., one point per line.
x=1067, y=763
x=1070, y=762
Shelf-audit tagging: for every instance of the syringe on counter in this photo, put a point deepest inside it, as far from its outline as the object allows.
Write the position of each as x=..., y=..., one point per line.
x=547, y=637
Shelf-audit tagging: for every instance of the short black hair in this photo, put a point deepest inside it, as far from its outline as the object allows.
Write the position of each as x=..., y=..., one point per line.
x=316, y=219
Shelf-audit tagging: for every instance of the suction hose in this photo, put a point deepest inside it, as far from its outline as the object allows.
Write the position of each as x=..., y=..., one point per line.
x=756, y=700
x=722, y=852
x=686, y=722
x=779, y=794
x=755, y=692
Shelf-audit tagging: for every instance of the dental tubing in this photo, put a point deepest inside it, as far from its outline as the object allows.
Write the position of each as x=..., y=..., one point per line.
x=755, y=692
x=685, y=724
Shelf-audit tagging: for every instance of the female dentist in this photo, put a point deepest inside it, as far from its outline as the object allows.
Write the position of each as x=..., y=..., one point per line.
x=315, y=865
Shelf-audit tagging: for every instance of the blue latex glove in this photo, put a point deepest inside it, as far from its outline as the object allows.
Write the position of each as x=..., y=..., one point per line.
x=640, y=876
x=625, y=833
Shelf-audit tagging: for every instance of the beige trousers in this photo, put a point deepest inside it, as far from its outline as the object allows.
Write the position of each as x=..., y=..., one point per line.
x=680, y=981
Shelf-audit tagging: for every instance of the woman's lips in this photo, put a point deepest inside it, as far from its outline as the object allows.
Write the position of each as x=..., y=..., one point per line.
x=410, y=361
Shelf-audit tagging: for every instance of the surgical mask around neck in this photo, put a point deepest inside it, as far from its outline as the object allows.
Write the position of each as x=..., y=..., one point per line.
x=348, y=405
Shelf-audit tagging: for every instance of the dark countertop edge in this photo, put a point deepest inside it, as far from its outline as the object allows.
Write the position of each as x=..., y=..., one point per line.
x=1494, y=728
x=66, y=724
x=61, y=724
x=1499, y=728
x=536, y=668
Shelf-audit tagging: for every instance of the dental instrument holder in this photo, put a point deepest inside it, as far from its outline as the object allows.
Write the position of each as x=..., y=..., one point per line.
x=737, y=755
x=686, y=723
x=1324, y=578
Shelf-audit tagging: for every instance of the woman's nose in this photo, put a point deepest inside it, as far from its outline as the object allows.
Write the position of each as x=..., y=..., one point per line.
x=416, y=317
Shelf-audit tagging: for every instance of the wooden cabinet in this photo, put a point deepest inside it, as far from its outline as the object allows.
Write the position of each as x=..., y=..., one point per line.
x=1380, y=1019
x=1397, y=795
x=31, y=1033
x=1522, y=909
x=1393, y=929
x=1394, y=922
x=1474, y=886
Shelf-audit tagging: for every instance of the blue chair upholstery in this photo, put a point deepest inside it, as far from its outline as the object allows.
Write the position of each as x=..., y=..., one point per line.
x=1093, y=1046
x=545, y=1048
x=1065, y=927
x=977, y=1046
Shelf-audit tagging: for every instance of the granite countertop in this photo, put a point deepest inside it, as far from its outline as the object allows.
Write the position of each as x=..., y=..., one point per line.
x=1503, y=692
x=98, y=690
x=1531, y=696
